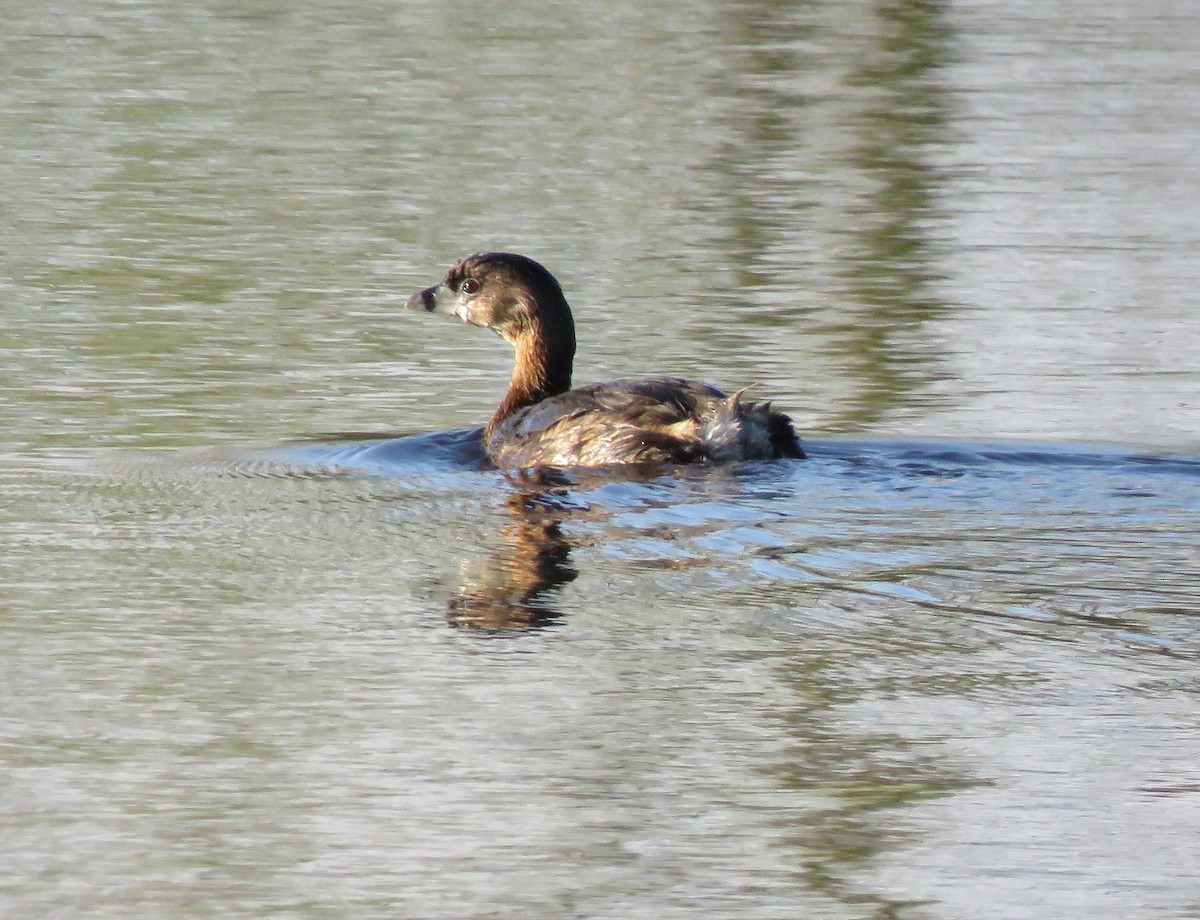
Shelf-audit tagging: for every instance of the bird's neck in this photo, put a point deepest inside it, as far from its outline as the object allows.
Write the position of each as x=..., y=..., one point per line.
x=543, y=369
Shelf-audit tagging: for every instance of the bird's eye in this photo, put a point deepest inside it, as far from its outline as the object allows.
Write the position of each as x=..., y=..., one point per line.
x=469, y=286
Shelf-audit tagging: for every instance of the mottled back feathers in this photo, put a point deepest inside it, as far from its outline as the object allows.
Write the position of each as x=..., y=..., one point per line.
x=645, y=420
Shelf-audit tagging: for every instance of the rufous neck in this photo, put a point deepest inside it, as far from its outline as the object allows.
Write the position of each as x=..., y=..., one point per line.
x=543, y=369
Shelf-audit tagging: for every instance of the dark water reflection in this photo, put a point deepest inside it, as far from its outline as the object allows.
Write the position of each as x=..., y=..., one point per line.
x=945, y=667
x=511, y=589
x=805, y=661
x=879, y=180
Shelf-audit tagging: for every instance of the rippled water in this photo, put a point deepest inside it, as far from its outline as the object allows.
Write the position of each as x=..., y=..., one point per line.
x=275, y=644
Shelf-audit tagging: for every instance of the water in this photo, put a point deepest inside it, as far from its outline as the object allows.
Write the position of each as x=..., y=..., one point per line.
x=275, y=645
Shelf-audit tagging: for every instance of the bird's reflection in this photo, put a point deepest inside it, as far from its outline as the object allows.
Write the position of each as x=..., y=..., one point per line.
x=513, y=587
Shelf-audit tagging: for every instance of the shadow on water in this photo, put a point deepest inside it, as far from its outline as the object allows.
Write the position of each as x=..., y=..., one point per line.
x=513, y=587
x=847, y=548
x=506, y=589
x=745, y=634
x=459, y=450
x=853, y=500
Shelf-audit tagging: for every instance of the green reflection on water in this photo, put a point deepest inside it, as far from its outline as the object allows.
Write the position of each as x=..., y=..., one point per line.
x=859, y=280
x=891, y=261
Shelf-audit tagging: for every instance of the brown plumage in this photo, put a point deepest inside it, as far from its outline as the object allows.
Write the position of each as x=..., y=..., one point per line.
x=542, y=421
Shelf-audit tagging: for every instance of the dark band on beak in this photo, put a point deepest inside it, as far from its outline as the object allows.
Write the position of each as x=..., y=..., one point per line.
x=423, y=300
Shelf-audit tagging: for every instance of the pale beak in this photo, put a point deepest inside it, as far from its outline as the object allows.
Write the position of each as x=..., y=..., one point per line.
x=437, y=299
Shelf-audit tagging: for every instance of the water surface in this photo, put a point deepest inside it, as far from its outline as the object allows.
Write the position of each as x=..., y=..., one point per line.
x=277, y=644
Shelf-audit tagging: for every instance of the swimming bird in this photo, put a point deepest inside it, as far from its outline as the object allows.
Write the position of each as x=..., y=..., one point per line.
x=541, y=421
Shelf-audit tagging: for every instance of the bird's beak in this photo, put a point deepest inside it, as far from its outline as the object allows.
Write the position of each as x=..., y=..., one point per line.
x=423, y=300
x=437, y=299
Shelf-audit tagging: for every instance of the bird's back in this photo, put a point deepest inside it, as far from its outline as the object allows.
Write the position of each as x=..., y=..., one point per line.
x=645, y=420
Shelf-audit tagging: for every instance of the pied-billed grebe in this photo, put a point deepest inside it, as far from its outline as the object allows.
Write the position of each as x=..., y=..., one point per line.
x=543, y=422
